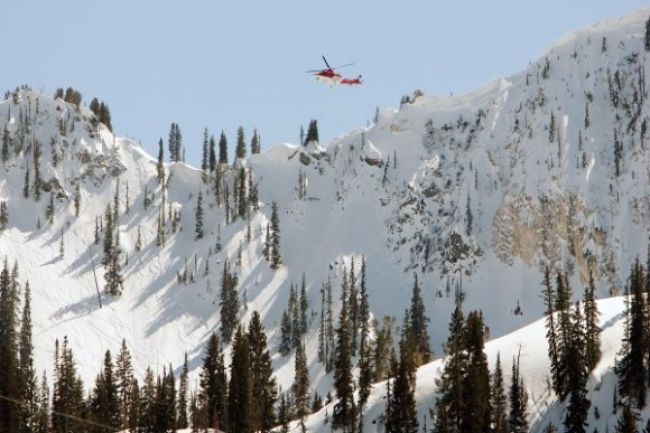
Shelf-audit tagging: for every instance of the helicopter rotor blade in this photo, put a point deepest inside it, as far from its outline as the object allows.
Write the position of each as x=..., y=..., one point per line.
x=313, y=71
x=326, y=64
x=343, y=66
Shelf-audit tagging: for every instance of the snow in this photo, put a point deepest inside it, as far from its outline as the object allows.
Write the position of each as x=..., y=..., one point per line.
x=489, y=148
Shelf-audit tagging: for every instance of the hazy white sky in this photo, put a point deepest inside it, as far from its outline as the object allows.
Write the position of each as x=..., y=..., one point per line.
x=223, y=64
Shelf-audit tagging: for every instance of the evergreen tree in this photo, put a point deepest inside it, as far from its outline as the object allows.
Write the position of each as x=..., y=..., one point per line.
x=29, y=392
x=160, y=168
x=592, y=331
x=198, y=217
x=43, y=415
x=364, y=310
x=304, y=306
x=213, y=387
x=229, y=302
x=124, y=383
x=564, y=327
x=517, y=421
x=182, y=421
x=212, y=156
x=578, y=408
x=285, y=334
x=647, y=35
x=243, y=196
x=37, y=171
x=451, y=403
x=631, y=369
x=223, y=149
x=9, y=356
x=240, y=150
x=104, y=402
x=26, y=182
x=240, y=386
x=77, y=199
x=67, y=396
x=255, y=143
x=4, y=216
x=276, y=255
x=264, y=387
x=402, y=413
x=476, y=387
x=300, y=387
x=417, y=325
x=344, y=410
x=627, y=421
x=205, y=156
x=312, y=132
x=551, y=330
x=498, y=402
x=6, y=139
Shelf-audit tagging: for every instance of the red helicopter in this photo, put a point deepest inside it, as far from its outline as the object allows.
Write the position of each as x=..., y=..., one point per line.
x=332, y=78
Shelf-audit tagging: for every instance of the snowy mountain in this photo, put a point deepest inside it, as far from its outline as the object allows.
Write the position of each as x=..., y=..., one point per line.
x=546, y=167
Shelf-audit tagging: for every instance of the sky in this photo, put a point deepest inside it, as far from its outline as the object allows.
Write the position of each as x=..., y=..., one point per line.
x=221, y=65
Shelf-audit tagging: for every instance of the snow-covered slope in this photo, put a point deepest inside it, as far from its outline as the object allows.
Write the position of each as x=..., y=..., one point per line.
x=529, y=344
x=479, y=190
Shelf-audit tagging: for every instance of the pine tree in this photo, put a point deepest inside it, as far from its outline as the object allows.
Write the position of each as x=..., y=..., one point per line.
x=417, y=325
x=6, y=140
x=255, y=143
x=276, y=255
x=243, y=196
x=451, y=403
x=551, y=335
x=364, y=309
x=77, y=199
x=476, y=387
x=182, y=421
x=402, y=414
x=285, y=334
x=647, y=35
x=592, y=331
x=37, y=171
x=517, y=421
x=9, y=356
x=631, y=369
x=123, y=382
x=4, y=216
x=563, y=332
x=263, y=383
x=49, y=210
x=213, y=387
x=205, y=156
x=312, y=132
x=498, y=402
x=43, y=415
x=26, y=182
x=160, y=168
x=304, y=306
x=67, y=396
x=240, y=386
x=198, y=217
x=104, y=402
x=578, y=407
x=353, y=304
x=229, y=302
x=28, y=386
x=240, y=150
x=627, y=421
x=344, y=410
x=223, y=149
x=300, y=387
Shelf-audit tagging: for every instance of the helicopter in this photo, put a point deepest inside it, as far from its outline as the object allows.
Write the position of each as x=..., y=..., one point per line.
x=331, y=77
